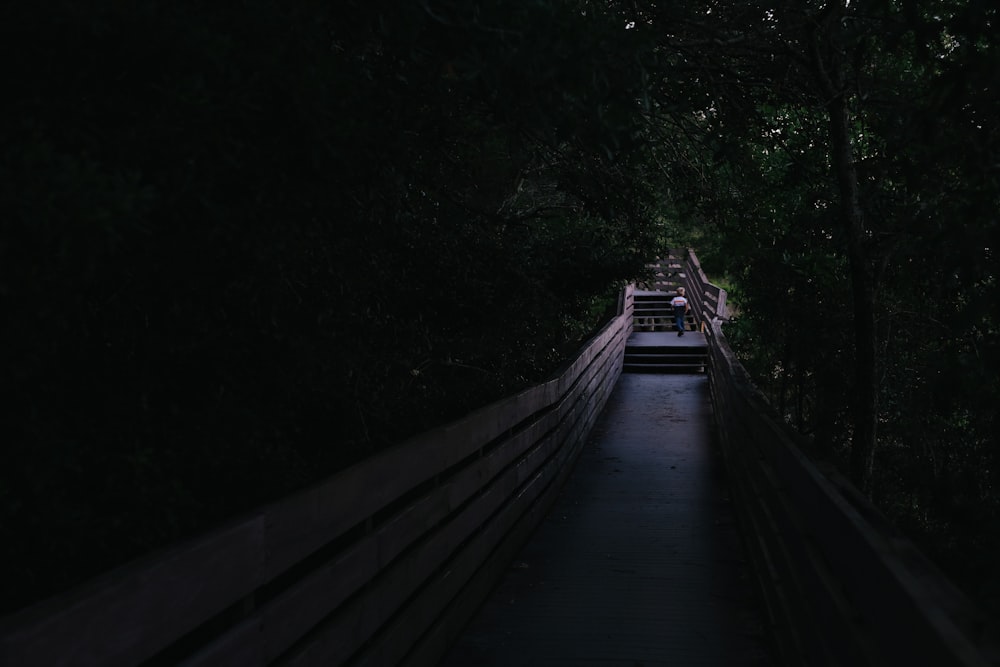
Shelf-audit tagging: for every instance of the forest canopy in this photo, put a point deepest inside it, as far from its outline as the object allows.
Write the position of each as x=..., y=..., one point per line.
x=245, y=246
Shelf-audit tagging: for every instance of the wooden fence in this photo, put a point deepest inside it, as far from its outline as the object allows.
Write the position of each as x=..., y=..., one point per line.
x=383, y=564
x=681, y=268
x=839, y=585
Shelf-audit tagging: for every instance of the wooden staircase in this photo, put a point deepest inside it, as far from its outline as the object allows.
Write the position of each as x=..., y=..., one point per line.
x=652, y=311
x=654, y=346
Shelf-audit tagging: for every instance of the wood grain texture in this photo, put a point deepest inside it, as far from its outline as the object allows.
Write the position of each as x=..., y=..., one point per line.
x=639, y=561
x=840, y=585
x=389, y=508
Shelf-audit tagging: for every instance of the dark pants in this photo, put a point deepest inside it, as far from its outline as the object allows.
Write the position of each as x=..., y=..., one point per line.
x=679, y=318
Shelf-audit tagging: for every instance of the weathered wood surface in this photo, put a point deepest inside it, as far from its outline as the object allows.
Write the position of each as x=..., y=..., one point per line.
x=841, y=586
x=640, y=560
x=315, y=577
x=713, y=298
x=681, y=268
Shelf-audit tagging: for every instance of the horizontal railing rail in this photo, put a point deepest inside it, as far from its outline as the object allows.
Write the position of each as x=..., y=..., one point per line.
x=681, y=268
x=839, y=585
x=710, y=299
x=382, y=564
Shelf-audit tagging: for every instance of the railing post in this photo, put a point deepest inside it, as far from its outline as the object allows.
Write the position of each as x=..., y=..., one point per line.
x=839, y=585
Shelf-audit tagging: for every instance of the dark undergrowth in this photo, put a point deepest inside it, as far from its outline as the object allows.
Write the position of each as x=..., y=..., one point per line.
x=123, y=476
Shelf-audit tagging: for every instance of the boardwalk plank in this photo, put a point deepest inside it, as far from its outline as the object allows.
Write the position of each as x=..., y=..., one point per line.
x=640, y=561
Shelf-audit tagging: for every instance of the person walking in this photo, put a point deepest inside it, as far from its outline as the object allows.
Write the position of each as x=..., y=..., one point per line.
x=681, y=307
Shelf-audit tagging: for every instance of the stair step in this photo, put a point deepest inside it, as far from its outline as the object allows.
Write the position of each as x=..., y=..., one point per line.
x=659, y=323
x=665, y=369
x=699, y=350
x=666, y=358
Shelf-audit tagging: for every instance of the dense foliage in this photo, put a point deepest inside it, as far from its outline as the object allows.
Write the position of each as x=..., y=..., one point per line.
x=246, y=245
x=243, y=247
x=848, y=168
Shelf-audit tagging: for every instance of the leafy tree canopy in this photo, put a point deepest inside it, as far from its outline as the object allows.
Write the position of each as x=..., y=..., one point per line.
x=246, y=246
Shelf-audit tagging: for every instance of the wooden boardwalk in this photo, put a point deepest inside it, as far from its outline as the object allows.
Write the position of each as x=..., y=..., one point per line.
x=640, y=561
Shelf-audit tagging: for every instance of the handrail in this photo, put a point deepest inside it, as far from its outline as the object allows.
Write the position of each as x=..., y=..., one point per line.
x=681, y=268
x=839, y=585
x=382, y=563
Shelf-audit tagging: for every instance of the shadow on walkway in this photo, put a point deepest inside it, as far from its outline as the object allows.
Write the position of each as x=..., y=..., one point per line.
x=640, y=561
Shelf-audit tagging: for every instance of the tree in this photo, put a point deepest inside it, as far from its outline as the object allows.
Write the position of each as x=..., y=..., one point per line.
x=850, y=139
x=244, y=247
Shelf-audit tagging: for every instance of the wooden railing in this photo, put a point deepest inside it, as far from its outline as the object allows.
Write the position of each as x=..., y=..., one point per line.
x=680, y=268
x=380, y=565
x=839, y=585
x=384, y=563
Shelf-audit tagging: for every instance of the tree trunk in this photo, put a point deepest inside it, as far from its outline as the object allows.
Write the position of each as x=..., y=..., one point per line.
x=830, y=77
x=863, y=289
